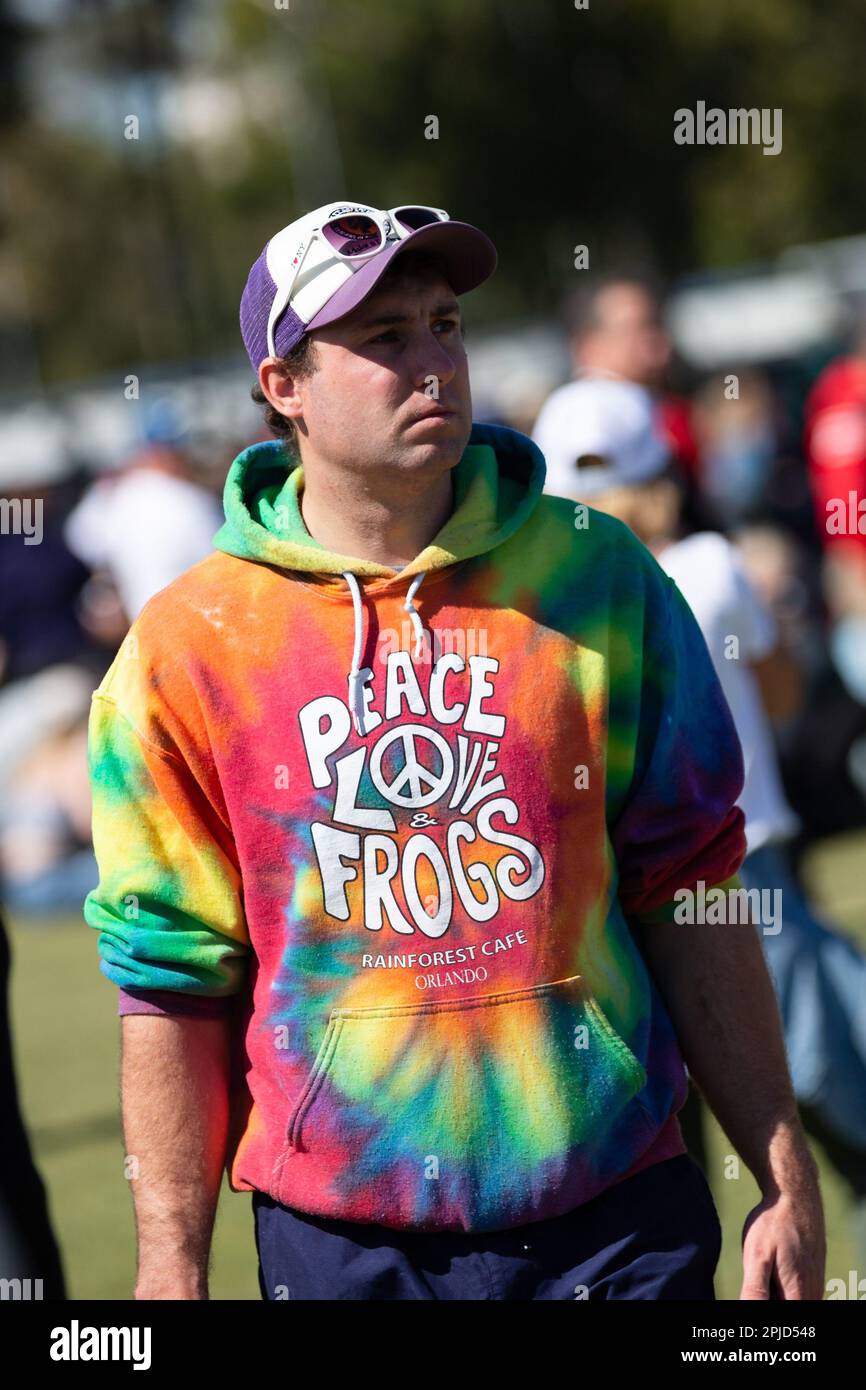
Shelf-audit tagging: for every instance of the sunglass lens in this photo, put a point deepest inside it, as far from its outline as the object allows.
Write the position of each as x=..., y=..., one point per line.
x=412, y=218
x=353, y=235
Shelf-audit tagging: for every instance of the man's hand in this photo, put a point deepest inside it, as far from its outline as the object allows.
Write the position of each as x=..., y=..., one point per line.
x=721, y=1001
x=784, y=1244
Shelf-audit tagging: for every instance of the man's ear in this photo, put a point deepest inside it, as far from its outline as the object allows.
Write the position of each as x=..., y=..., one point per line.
x=280, y=388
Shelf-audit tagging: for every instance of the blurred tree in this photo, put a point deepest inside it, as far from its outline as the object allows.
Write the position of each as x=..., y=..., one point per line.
x=555, y=129
x=13, y=39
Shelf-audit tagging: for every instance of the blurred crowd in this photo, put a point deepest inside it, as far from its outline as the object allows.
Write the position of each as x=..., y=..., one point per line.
x=773, y=463
x=747, y=459
x=106, y=543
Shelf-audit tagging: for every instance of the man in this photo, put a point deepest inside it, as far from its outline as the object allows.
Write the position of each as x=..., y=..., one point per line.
x=393, y=784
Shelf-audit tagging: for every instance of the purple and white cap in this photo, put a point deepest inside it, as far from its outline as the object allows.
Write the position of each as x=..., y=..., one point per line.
x=281, y=303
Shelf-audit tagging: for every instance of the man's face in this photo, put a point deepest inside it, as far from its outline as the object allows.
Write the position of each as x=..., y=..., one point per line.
x=629, y=339
x=391, y=390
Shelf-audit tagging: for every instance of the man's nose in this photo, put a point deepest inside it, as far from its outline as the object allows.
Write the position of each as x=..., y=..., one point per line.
x=432, y=359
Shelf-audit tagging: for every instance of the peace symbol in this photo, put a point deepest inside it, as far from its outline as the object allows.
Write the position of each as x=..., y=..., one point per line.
x=413, y=774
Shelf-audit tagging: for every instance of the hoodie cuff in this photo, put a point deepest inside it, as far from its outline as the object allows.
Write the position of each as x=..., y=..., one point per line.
x=172, y=1004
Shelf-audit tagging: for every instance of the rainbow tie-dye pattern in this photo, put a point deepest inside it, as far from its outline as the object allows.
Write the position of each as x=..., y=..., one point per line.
x=447, y=1023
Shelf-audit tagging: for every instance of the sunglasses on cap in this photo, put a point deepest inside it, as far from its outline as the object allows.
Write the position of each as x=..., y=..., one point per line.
x=353, y=234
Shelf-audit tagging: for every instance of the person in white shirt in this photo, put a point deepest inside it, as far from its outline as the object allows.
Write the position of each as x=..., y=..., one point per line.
x=144, y=525
x=603, y=448
x=740, y=633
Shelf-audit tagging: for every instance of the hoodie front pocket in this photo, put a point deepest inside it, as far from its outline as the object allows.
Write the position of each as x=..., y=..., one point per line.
x=469, y=1113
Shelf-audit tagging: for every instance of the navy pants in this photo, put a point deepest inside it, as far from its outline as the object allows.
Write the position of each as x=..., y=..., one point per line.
x=652, y=1236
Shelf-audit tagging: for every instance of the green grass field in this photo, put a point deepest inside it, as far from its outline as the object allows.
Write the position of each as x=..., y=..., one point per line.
x=67, y=1038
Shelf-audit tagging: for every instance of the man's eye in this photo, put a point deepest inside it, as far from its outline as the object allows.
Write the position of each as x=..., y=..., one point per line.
x=389, y=336
x=446, y=325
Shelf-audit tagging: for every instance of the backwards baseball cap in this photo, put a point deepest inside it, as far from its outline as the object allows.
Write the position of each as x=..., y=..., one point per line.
x=597, y=433
x=322, y=266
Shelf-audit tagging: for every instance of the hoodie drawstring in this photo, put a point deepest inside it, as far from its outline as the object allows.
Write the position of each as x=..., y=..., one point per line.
x=414, y=614
x=356, y=694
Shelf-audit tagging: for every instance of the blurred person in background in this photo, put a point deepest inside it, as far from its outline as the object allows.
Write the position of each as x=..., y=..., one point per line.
x=50, y=660
x=148, y=522
x=28, y=1249
x=608, y=452
x=47, y=864
x=835, y=445
x=41, y=578
x=615, y=329
x=822, y=745
x=737, y=437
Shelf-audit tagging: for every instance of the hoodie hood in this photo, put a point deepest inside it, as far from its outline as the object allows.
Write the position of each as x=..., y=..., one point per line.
x=497, y=483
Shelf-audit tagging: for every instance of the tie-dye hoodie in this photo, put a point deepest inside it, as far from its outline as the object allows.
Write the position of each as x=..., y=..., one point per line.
x=397, y=822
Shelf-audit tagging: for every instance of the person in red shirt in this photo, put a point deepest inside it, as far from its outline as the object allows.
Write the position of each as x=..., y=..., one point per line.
x=835, y=448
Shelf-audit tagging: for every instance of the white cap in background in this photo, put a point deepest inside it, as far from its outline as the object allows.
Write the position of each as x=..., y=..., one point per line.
x=608, y=422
